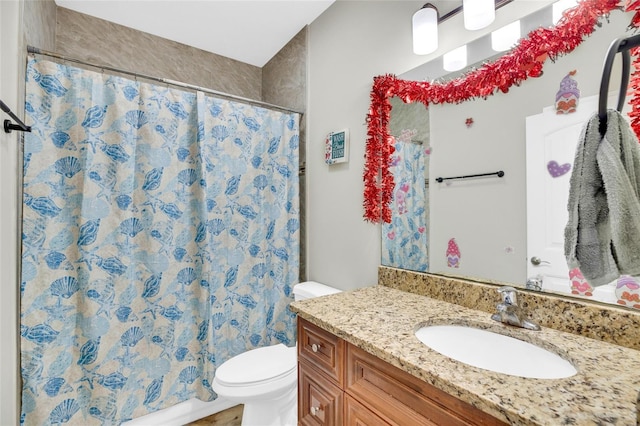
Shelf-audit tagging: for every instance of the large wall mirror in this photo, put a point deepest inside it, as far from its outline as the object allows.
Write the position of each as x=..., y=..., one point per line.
x=478, y=228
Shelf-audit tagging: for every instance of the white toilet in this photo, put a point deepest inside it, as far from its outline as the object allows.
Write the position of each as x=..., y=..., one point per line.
x=265, y=379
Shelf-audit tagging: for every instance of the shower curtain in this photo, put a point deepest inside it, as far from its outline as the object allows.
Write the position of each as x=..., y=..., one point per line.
x=160, y=238
x=405, y=238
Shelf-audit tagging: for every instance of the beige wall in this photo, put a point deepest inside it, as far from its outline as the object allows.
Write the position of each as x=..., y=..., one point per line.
x=10, y=64
x=349, y=44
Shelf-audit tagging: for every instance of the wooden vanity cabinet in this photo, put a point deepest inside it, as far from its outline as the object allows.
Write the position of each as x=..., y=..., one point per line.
x=341, y=384
x=320, y=376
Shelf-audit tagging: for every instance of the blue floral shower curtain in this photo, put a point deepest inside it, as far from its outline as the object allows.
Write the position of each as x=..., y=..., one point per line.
x=405, y=238
x=160, y=238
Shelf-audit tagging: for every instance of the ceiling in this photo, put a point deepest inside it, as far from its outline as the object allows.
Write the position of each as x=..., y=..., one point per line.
x=250, y=31
x=446, y=6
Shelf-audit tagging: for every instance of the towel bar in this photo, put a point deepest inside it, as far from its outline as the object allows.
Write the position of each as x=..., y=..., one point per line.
x=499, y=173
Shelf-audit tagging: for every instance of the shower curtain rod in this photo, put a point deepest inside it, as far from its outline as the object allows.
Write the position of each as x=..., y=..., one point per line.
x=176, y=83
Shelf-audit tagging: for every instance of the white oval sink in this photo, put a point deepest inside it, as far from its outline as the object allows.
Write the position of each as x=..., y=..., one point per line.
x=495, y=352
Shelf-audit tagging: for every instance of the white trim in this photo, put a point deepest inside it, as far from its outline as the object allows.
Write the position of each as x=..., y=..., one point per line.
x=182, y=413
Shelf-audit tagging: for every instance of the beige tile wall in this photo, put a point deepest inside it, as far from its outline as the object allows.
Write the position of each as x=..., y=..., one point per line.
x=39, y=20
x=284, y=76
x=104, y=43
x=284, y=82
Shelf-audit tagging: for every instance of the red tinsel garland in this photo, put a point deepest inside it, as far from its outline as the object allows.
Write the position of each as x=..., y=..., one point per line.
x=524, y=61
x=634, y=81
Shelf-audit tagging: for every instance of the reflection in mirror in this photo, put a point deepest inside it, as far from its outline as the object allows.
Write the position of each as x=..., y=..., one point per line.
x=483, y=48
x=405, y=239
x=551, y=144
x=482, y=224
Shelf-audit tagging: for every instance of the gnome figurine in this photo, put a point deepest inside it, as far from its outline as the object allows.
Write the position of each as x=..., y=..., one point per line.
x=568, y=95
x=453, y=254
x=579, y=284
x=628, y=292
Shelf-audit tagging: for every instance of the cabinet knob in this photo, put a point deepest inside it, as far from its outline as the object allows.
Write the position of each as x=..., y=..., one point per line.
x=315, y=410
x=315, y=347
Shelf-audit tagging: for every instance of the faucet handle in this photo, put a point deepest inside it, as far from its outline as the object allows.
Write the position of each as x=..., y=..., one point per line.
x=508, y=294
x=535, y=283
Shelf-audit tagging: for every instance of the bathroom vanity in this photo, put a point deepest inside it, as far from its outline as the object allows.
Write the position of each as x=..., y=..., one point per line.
x=340, y=383
x=360, y=363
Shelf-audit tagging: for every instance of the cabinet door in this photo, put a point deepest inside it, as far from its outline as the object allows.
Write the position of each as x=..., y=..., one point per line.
x=356, y=414
x=320, y=402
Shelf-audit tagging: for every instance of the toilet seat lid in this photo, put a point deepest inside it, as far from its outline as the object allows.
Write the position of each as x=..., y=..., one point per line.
x=257, y=365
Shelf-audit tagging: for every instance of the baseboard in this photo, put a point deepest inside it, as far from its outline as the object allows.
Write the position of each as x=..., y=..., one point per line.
x=183, y=413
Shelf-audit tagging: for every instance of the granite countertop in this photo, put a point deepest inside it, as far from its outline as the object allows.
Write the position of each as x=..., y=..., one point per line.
x=382, y=321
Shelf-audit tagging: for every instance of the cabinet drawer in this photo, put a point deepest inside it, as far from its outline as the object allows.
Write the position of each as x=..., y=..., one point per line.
x=321, y=349
x=401, y=399
x=320, y=402
x=356, y=414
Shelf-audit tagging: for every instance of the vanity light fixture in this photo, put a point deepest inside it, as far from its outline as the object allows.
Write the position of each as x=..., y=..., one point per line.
x=478, y=13
x=456, y=59
x=425, y=30
x=506, y=37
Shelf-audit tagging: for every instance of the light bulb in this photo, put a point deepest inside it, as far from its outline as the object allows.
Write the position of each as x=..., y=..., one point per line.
x=506, y=37
x=456, y=59
x=425, y=30
x=478, y=13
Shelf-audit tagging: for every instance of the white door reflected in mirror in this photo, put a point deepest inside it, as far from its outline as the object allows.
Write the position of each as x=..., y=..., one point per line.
x=551, y=144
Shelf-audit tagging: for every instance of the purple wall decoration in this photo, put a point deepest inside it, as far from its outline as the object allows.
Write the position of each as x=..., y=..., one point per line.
x=557, y=170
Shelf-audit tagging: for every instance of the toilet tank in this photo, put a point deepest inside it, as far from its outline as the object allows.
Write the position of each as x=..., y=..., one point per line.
x=310, y=289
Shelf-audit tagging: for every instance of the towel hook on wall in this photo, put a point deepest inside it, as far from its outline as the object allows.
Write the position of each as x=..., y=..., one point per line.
x=8, y=125
x=619, y=45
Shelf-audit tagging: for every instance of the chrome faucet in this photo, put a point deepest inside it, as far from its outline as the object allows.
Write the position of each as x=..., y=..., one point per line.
x=510, y=313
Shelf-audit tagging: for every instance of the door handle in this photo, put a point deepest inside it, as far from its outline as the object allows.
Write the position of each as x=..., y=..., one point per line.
x=536, y=261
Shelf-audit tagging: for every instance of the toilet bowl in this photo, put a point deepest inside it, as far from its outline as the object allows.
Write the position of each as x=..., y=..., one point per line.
x=265, y=379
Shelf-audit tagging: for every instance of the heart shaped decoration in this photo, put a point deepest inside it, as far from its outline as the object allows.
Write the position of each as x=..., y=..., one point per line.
x=557, y=170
